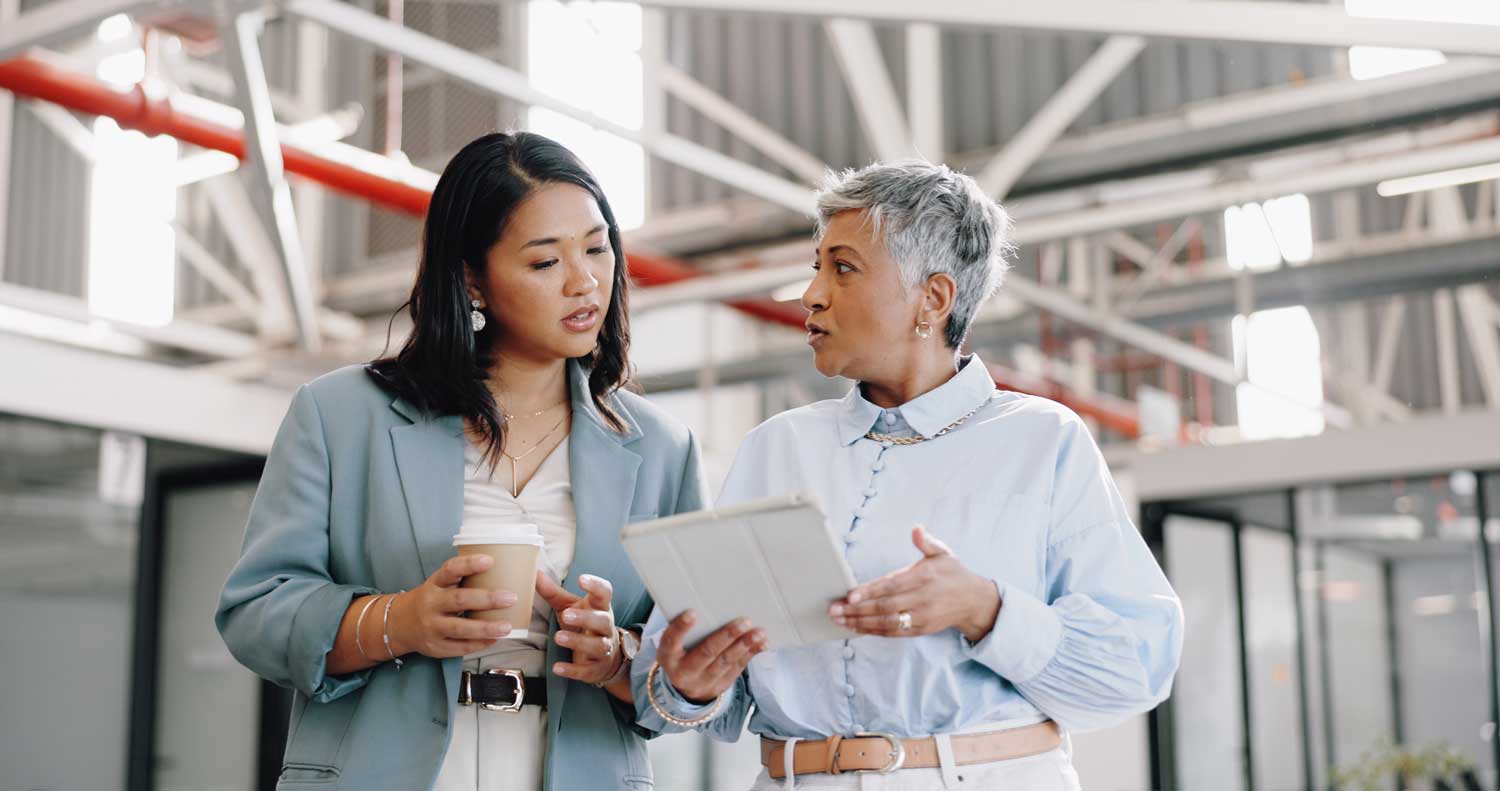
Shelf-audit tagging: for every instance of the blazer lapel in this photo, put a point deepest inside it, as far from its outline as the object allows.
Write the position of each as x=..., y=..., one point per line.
x=602, y=470
x=430, y=461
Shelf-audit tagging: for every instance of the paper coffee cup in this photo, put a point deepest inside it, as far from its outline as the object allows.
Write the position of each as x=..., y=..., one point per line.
x=516, y=549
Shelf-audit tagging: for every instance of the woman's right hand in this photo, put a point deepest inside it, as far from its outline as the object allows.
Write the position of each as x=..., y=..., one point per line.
x=704, y=672
x=427, y=618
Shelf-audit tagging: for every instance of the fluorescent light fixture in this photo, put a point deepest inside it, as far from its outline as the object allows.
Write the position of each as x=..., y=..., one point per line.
x=791, y=292
x=1438, y=180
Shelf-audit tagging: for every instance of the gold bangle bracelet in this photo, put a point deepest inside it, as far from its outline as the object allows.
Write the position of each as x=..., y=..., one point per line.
x=678, y=721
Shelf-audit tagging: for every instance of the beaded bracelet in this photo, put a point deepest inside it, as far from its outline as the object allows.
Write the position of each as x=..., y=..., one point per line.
x=359, y=624
x=678, y=721
x=385, y=629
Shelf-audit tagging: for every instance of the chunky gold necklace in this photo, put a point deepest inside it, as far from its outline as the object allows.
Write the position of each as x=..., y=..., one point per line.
x=944, y=430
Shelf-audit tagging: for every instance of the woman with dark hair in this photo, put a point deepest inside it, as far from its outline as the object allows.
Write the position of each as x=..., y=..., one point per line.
x=507, y=390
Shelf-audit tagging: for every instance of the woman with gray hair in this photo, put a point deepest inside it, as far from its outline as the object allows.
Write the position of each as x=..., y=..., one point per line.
x=1005, y=597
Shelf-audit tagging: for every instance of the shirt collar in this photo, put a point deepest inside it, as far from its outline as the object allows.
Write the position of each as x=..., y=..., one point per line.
x=927, y=414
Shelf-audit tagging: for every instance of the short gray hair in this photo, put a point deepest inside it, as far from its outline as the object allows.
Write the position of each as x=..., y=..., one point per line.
x=933, y=220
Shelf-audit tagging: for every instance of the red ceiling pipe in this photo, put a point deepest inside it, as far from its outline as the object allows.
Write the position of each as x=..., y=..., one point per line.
x=151, y=112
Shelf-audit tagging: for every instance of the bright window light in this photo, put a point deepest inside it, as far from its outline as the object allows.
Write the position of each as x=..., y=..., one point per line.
x=132, y=250
x=1278, y=348
x=1370, y=62
x=588, y=54
x=1283, y=362
x=1261, y=236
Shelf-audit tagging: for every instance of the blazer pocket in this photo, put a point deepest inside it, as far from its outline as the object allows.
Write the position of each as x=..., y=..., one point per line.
x=295, y=776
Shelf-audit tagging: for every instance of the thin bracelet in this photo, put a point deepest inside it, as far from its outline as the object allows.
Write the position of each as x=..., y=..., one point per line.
x=385, y=629
x=360, y=623
x=678, y=721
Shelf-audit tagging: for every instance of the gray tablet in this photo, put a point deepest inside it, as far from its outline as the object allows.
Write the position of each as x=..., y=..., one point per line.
x=773, y=561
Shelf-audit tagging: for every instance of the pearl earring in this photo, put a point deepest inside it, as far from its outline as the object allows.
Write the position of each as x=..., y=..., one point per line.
x=476, y=319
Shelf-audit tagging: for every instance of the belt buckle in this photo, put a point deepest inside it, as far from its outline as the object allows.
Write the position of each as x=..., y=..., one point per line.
x=897, y=754
x=520, y=679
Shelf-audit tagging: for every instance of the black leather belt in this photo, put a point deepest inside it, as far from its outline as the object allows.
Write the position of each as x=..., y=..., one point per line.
x=499, y=689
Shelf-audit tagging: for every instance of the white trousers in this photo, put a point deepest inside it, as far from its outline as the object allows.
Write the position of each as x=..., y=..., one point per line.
x=1049, y=771
x=495, y=750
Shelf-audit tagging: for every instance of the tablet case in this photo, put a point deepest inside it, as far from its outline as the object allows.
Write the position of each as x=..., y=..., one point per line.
x=774, y=561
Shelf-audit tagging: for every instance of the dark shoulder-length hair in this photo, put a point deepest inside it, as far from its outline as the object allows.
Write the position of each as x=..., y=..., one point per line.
x=444, y=364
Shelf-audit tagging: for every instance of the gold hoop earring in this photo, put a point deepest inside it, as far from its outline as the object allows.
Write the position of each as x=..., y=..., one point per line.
x=924, y=330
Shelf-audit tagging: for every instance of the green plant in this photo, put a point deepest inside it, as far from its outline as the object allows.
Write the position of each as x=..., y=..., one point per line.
x=1375, y=768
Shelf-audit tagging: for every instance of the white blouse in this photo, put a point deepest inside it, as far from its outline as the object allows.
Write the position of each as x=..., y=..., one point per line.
x=547, y=502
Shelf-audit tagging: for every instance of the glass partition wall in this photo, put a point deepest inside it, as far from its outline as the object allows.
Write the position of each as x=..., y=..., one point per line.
x=1331, y=629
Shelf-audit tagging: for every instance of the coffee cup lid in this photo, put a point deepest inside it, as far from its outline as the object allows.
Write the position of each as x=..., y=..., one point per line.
x=498, y=533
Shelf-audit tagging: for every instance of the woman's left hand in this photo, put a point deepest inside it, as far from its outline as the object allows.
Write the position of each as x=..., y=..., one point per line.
x=937, y=592
x=585, y=625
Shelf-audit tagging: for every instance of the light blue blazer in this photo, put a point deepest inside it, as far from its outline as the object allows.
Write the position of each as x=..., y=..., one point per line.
x=363, y=494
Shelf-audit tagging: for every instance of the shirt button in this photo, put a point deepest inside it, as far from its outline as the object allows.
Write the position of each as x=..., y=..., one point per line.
x=849, y=539
x=849, y=653
x=860, y=728
x=870, y=492
x=878, y=465
x=859, y=513
x=849, y=691
x=889, y=418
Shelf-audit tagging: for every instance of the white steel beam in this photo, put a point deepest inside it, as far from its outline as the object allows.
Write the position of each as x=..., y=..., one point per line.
x=146, y=398
x=1447, y=351
x=875, y=101
x=1141, y=337
x=247, y=235
x=263, y=152
x=59, y=22
x=1426, y=444
x=739, y=123
x=1388, y=344
x=211, y=269
x=1005, y=169
x=487, y=75
x=731, y=285
x=72, y=317
x=1213, y=20
x=924, y=88
x=1085, y=215
x=65, y=126
x=1475, y=308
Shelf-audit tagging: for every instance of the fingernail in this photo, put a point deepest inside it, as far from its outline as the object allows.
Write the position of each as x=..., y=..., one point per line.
x=502, y=629
x=505, y=599
x=586, y=578
x=689, y=617
x=570, y=617
x=836, y=610
x=557, y=668
x=741, y=625
x=563, y=639
x=839, y=620
x=855, y=596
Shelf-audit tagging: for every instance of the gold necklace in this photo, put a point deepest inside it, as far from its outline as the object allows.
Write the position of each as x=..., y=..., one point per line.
x=919, y=438
x=515, y=479
x=508, y=416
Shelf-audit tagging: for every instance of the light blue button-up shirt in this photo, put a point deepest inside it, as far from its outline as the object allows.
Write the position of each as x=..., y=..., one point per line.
x=1089, y=630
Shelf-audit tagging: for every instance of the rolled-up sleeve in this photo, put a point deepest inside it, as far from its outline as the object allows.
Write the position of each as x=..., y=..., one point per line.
x=725, y=726
x=280, y=610
x=1105, y=640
